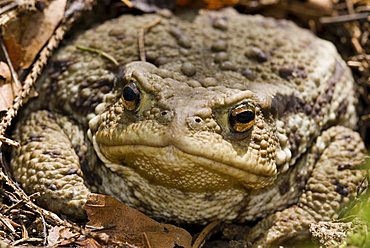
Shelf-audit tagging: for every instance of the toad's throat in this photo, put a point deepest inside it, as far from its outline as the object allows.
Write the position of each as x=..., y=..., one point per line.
x=172, y=167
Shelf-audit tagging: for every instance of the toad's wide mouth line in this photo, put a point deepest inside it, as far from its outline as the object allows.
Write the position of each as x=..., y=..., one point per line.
x=247, y=178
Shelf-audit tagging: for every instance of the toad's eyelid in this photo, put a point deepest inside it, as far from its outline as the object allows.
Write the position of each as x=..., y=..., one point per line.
x=141, y=81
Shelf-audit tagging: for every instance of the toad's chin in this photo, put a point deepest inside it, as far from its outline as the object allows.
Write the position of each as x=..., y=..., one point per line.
x=172, y=167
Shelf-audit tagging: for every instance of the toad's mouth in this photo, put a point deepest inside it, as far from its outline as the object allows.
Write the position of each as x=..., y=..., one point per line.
x=173, y=167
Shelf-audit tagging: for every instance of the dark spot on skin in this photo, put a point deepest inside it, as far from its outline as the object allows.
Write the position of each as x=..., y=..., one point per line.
x=344, y=167
x=220, y=23
x=57, y=67
x=87, y=104
x=283, y=104
x=307, y=109
x=297, y=139
x=219, y=46
x=256, y=54
x=43, y=127
x=166, y=230
x=286, y=72
x=227, y=66
x=220, y=57
x=289, y=72
x=52, y=154
x=248, y=74
x=71, y=172
x=50, y=115
x=188, y=69
x=300, y=72
x=340, y=188
x=326, y=96
x=119, y=35
x=77, y=149
x=284, y=188
x=209, y=197
x=34, y=138
x=105, y=89
x=300, y=181
x=343, y=106
x=53, y=187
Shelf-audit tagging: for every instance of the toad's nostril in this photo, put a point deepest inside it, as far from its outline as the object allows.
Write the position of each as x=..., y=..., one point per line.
x=198, y=120
x=164, y=112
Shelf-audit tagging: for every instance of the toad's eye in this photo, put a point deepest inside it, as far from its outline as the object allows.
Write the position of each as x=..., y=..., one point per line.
x=131, y=96
x=241, y=118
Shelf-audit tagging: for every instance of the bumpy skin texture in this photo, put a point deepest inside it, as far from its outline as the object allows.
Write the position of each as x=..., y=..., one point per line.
x=176, y=155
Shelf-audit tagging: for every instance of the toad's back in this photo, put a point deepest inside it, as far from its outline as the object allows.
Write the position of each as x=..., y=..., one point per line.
x=216, y=48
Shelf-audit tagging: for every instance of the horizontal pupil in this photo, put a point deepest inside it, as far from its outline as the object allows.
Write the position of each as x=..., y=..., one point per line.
x=245, y=117
x=129, y=94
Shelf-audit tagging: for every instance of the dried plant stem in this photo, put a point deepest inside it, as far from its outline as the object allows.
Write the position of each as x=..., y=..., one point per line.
x=141, y=39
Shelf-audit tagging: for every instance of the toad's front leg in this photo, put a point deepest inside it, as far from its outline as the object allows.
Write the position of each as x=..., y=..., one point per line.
x=48, y=162
x=334, y=181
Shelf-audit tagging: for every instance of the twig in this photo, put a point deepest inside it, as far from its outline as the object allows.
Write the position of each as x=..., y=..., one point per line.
x=31, y=78
x=8, y=141
x=15, y=243
x=3, y=219
x=8, y=7
x=141, y=37
x=146, y=240
x=343, y=18
x=127, y=3
x=44, y=229
x=100, y=52
x=205, y=232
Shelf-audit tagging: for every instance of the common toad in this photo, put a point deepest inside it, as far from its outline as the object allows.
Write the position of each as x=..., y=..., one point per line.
x=232, y=117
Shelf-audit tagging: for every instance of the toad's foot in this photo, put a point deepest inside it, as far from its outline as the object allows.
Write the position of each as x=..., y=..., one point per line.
x=337, y=155
x=47, y=162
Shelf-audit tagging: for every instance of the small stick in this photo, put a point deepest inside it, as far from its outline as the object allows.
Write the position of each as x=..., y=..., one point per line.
x=8, y=6
x=344, y=18
x=8, y=141
x=128, y=3
x=100, y=52
x=141, y=37
x=205, y=232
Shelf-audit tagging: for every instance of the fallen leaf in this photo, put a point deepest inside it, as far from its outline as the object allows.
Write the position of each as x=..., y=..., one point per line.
x=6, y=89
x=121, y=224
x=61, y=236
x=25, y=36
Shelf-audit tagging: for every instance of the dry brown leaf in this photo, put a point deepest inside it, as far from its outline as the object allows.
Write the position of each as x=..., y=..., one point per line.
x=25, y=36
x=6, y=89
x=61, y=236
x=117, y=223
